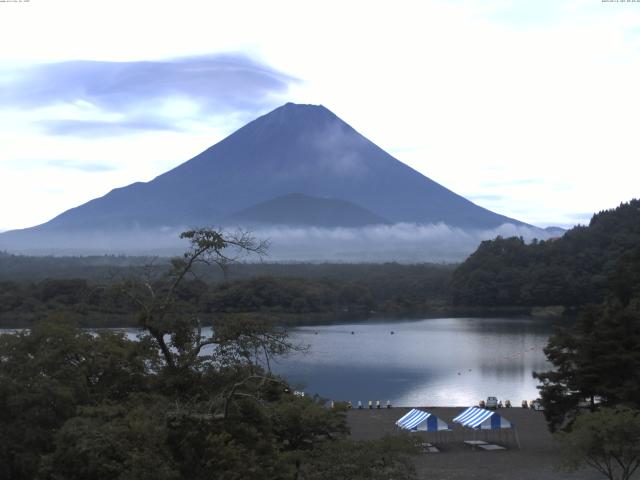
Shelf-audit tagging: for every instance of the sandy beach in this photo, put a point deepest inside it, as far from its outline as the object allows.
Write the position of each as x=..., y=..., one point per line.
x=537, y=458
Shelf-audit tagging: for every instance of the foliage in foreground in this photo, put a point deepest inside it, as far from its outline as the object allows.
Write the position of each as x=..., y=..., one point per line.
x=592, y=395
x=596, y=363
x=172, y=405
x=75, y=405
x=607, y=440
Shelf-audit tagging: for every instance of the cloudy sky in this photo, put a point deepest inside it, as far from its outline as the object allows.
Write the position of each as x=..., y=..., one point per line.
x=527, y=107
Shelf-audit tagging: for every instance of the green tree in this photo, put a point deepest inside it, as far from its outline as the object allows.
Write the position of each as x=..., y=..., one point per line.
x=599, y=357
x=120, y=441
x=49, y=372
x=607, y=440
x=169, y=321
x=571, y=270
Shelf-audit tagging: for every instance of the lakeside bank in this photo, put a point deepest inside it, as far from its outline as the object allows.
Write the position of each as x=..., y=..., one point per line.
x=537, y=459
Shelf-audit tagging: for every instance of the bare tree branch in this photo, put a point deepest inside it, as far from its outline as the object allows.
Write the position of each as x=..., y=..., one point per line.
x=157, y=300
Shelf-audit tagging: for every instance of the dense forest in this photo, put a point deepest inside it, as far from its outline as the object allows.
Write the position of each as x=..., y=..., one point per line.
x=591, y=395
x=604, y=339
x=284, y=292
x=572, y=271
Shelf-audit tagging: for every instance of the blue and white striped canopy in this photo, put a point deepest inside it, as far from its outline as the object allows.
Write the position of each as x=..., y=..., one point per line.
x=421, y=421
x=475, y=417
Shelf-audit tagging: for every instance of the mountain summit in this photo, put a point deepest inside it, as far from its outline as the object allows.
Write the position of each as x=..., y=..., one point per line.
x=295, y=149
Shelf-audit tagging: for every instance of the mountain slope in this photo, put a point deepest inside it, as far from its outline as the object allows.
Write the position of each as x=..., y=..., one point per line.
x=297, y=209
x=303, y=149
x=295, y=148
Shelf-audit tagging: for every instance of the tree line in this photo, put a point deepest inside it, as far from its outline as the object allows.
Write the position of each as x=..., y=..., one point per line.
x=591, y=396
x=329, y=291
x=573, y=271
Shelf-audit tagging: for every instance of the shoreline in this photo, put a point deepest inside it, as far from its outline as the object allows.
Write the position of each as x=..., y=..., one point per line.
x=95, y=320
x=538, y=457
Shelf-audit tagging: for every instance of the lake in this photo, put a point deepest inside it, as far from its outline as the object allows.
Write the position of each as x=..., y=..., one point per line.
x=431, y=362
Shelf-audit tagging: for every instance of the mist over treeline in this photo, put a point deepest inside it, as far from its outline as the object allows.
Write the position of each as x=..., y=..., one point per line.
x=400, y=242
x=106, y=269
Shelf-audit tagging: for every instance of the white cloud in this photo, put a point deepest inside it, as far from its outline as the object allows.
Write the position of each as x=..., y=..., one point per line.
x=402, y=242
x=468, y=92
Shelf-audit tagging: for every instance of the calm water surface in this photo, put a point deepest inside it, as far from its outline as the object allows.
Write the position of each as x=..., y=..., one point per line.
x=434, y=362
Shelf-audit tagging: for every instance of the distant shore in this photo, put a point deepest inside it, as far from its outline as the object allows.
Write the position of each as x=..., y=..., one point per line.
x=536, y=460
x=106, y=320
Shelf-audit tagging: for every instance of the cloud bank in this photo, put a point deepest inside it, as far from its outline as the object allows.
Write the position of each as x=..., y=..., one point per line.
x=402, y=242
x=143, y=95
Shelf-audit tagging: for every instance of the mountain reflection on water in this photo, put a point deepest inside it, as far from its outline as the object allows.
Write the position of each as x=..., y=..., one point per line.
x=432, y=362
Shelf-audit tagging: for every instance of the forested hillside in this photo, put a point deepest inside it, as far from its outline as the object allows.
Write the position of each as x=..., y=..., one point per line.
x=596, y=362
x=573, y=270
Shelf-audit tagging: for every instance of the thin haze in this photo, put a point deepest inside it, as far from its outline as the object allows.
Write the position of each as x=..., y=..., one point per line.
x=526, y=108
x=401, y=242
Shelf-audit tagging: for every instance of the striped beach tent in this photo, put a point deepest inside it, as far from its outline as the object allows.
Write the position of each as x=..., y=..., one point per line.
x=419, y=420
x=482, y=419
